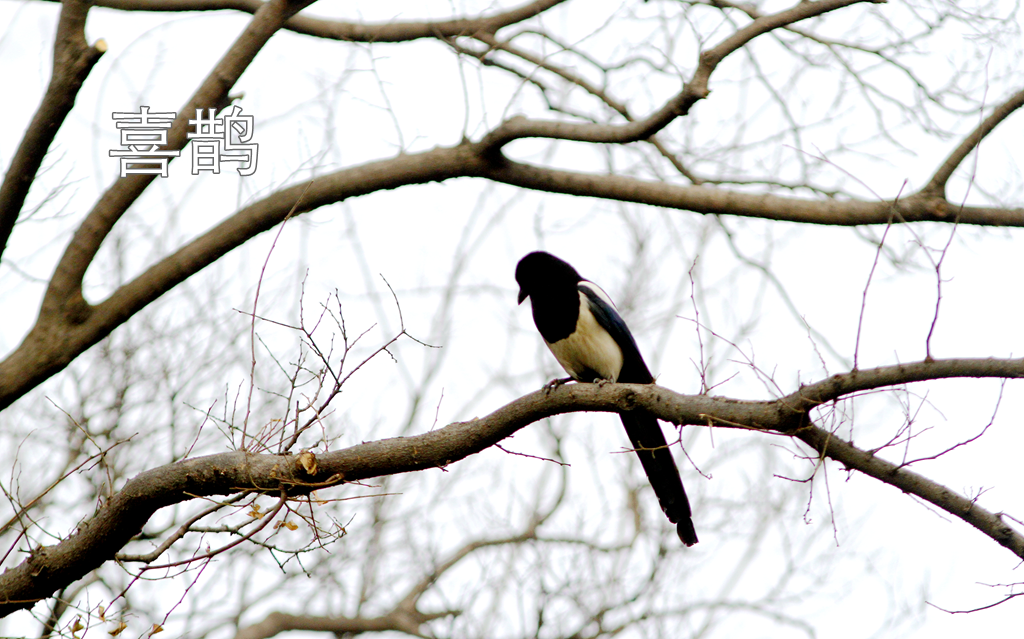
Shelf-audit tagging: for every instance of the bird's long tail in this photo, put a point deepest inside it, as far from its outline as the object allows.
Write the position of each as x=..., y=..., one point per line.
x=649, y=443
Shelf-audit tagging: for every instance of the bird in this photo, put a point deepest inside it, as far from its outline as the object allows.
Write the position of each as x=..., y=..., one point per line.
x=588, y=337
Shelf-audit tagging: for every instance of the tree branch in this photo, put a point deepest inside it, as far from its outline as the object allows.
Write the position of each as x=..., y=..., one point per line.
x=829, y=445
x=578, y=80
x=73, y=59
x=920, y=207
x=397, y=31
x=50, y=568
x=404, y=617
x=395, y=620
x=857, y=381
x=937, y=185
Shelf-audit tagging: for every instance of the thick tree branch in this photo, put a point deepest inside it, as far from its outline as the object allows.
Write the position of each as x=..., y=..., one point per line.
x=937, y=185
x=919, y=207
x=861, y=380
x=73, y=59
x=53, y=567
x=397, y=31
x=992, y=524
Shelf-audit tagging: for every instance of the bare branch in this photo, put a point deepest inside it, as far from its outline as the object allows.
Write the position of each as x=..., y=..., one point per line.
x=920, y=207
x=937, y=185
x=404, y=617
x=396, y=620
x=861, y=380
x=910, y=482
x=397, y=31
x=693, y=91
x=182, y=530
x=73, y=59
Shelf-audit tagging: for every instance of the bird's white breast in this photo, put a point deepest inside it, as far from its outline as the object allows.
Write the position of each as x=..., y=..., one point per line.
x=588, y=347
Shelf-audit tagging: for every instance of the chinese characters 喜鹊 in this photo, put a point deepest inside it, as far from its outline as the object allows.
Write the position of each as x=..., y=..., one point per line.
x=215, y=140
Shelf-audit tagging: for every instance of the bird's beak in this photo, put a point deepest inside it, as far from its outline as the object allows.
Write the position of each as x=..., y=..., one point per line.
x=522, y=295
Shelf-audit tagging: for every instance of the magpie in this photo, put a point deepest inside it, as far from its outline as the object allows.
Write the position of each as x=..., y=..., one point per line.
x=587, y=336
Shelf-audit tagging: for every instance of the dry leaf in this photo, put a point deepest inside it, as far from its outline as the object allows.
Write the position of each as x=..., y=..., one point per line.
x=308, y=461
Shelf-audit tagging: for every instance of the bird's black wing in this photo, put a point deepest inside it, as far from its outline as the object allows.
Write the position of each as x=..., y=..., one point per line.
x=634, y=369
x=643, y=430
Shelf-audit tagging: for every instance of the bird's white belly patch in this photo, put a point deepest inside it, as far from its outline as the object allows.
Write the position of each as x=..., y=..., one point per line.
x=588, y=347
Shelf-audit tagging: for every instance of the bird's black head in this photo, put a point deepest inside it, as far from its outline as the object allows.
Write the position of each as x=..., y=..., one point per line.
x=541, y=273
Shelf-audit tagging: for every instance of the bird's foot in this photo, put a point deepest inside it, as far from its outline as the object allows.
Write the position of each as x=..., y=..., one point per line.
x=603, y=382
x=555, y=383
